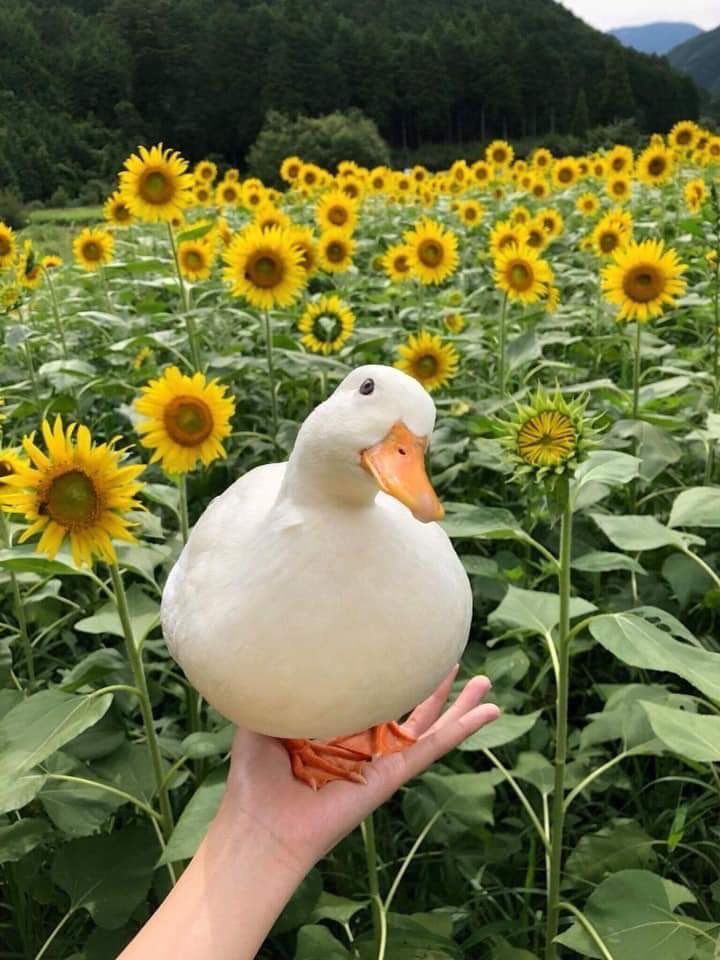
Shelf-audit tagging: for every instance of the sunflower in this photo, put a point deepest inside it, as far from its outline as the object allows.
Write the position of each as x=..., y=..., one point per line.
x=499, y=153
x=28, y=271
x=695, y=193
x=7, y=245
x=335, y=250
x=643, y=279
x=587, y=204
x=565, y=172
x=534, y=235
x=117, y=211
x=228, y=193
x=550, y=221
x=619, y=187
x=195, y=258
x=76, y=489
x=253, y=193
x=232, y=174
x=185, y=420
x=264, y=267
x=541, y=159
x=655, y=165
x=611, y=233
x=459, y=172
x=432, y=250
x=93, y=248
x=470, y=212
x=267, y=215
x=51, y=262
x=290, y=169
x=379, y=179
x=155, y=184
x=10, y=462
x=540, y=188
x=428, y=359
x=620, y=160
x=520, y=216
x=336, y=211
x=481, y=173
x=310, y=176
x=303, y=240
x=203, y=194
x=598, y=168
x=521, y=274
x=547, y=437
x=503, y=235
x=684, y=135
x=396, y=263
x=326, y=325
x=713, y=149
x=205, y=172
x=419, y=173
x=454, y=322
x=552, y=299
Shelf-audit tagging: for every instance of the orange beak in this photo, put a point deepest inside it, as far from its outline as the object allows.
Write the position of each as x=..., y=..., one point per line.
x=398, y=465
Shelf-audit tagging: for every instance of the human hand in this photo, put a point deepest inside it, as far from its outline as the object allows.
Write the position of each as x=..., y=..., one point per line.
x=263, y=797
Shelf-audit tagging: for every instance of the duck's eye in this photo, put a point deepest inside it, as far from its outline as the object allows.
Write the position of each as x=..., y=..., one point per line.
x=367, y=386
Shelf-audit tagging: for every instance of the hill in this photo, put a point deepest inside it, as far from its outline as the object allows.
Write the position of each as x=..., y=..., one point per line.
x=655, y=37
x=84, y=80
x=700, y=58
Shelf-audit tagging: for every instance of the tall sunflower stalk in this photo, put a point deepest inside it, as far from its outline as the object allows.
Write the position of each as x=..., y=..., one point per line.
x=546, y=440
x=715, y=200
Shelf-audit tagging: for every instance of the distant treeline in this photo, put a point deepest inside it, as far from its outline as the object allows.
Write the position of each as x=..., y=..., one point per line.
x=84, y=80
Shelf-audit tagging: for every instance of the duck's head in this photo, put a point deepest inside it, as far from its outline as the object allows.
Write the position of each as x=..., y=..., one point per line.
x=371, y=433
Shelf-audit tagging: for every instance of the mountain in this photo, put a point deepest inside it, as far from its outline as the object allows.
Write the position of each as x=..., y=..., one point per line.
x=656, y=37
x=700, y=58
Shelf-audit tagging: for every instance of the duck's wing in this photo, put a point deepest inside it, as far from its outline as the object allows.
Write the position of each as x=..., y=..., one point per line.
x=225, y=528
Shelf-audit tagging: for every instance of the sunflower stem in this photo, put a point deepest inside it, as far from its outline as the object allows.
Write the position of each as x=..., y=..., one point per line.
x=636, y=372
x=56, y=312
x=367, y=828
x=192, y=697
x=501, y=353
x=185, y=299
x=106, y=288
x=710, y=461
x=138, y=671
x=271, y=372
x=31, y=371
x=19, y=607
x=557, y=819
x=183, y=506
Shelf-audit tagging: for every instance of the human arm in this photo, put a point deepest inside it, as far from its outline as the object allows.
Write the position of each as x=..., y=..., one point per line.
x=271, y=829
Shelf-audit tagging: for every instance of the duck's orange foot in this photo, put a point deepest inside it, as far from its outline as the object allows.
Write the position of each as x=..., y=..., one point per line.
x=316, y=762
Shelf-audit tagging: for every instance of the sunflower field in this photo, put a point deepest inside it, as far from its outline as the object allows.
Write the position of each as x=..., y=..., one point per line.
x=564, y=314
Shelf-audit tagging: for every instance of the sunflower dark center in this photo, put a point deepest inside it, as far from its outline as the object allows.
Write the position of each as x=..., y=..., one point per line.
x=430, y=253
x=426, y=366
x=656, y=167
x=565, y=175
x=72, y=499
x=401, y=263
x=188, y=420
x=264, y=270
x=684, y=137
x=643, y=283
x=6, y=469
x=5, y=246
x=338, y=215
x=335, y=251
x=535, y=238
x=194, y=260
x=91, y=250
x=608, y=242
x=327, y=327
x=521, y=276
x=156, y=187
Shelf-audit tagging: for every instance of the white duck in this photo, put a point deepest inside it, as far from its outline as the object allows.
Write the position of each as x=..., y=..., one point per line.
x=316, y=598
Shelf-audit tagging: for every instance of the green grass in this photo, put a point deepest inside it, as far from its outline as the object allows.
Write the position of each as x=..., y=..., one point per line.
x=52, y=230
x=70, y=215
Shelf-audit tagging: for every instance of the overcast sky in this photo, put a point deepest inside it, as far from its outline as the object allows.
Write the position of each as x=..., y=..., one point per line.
x=606, y=14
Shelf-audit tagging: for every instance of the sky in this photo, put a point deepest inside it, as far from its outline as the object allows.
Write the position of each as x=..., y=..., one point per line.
x=606, y=14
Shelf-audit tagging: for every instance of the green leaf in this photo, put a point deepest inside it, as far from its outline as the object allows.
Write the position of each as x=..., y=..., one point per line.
x=20, y=838
x=696, y=507
x=144, y=616
x=621, y=845
x=640, y=644
x=16, y=792
x=96, y=667
x=209, y=744
x=686, y=578
x=302, y=903
x=536, y=769
x=608, y=468
x=317, y=943
x=639, y=532
x=480, y=566
x=467, y=796
x=109, y=876
x=23, y=559
x=484, y=523
x=523, y=349
x=502, y=950
x=340, y=909
x=534, y=610
x=129, y=769
x=195, y=233
x=633, y=915
x=196, y=818
x=603, y=561
x=623, y=718
x=501, y=731
x=687, y=734
x=77, y=809
x=41, y=724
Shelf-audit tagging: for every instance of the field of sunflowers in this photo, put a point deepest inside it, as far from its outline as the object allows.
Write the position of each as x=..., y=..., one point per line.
x=564, y=314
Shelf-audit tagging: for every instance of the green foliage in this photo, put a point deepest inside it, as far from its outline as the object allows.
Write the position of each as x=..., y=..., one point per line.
x=85, y=82
x=12, y=211
x=322, y=140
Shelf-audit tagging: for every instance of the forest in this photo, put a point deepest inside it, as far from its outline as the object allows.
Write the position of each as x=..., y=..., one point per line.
x=86, y=80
